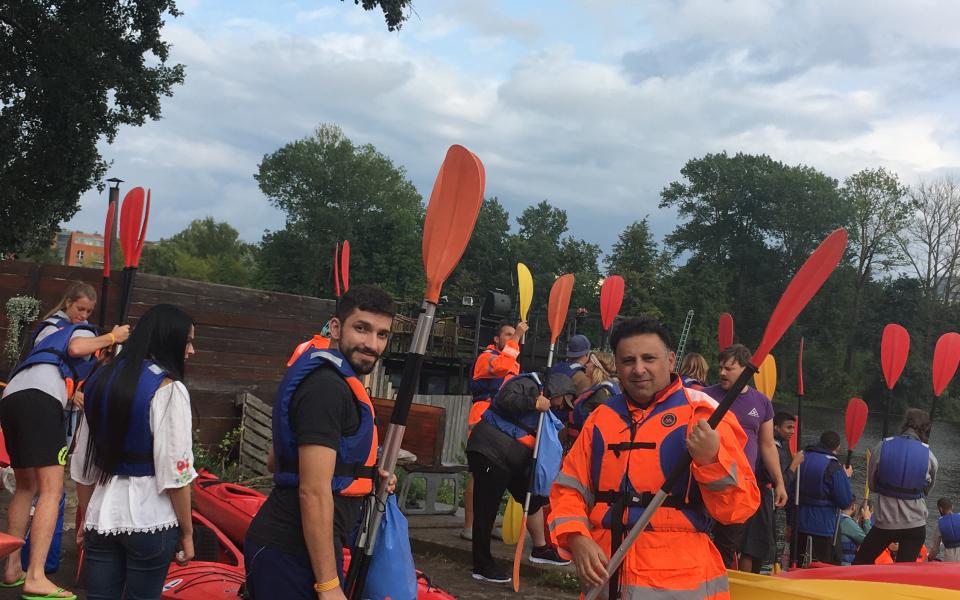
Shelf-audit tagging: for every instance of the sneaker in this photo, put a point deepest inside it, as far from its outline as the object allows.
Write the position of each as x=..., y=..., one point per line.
x=491, y=575
x=547, y=555
x=466, y=534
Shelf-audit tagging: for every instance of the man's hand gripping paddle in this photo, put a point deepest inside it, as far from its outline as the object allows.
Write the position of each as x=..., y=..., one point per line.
x=451, y=215
x=799, y=292
x=557, y=308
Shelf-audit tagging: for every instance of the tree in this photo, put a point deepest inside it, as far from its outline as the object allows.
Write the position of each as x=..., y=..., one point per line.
x=486, y=263
x=204, y=251
x=635, y=258
x=392, y=10
x=330, y=190
x=72, y=72
x=537, y=245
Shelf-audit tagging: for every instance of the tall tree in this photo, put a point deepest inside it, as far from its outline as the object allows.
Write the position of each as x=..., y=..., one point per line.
x=332, y=189
x=73, y=72
x=487, y=262
x=635, y=258
x=205, y=251
x=537, y=244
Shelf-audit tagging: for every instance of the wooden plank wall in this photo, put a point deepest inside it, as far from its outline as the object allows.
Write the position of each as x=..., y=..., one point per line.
x=455, y=432
x=243, y=336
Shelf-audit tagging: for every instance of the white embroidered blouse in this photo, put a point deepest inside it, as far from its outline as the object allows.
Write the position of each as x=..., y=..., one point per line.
x=140, y=504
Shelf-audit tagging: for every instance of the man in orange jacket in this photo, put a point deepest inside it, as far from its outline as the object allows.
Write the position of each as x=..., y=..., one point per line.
x=621, y=458
x=496, y=362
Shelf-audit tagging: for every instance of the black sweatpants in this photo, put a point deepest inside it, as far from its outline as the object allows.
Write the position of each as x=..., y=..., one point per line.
x=878, y=539
x=824, y=549
x=490, y=480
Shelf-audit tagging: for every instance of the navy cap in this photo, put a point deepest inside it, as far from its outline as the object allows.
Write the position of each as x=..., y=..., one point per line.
x=578, y=346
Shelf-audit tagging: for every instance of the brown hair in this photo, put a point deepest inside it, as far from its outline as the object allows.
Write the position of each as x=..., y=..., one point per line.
x=694, y=365
x=605, y=367
x=737, y=352
x=77, y=290
x=919, y=421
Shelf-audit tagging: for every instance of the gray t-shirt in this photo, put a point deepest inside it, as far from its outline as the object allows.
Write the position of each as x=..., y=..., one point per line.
x=897, y=513
x=46, y=378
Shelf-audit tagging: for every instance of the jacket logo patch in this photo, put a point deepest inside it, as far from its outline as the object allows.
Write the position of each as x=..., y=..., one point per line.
x=668, y=420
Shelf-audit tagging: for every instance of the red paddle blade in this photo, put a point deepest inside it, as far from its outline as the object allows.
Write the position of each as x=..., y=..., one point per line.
x=336, y=270
x=894, y=348
x=793, y=439
x=558, y=304
x=451, y=215
x=143, y=231
x=946, y=357
x=108, y=237
x=800, y=370
x=611, y=298
x=131, y=216
x=345, y=265
x=802, y=288
x=855, y=421
x=725, y=331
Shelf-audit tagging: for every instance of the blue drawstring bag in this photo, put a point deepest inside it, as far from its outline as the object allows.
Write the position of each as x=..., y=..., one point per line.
x=549, y=456
x=53, y=553
x=392, y=573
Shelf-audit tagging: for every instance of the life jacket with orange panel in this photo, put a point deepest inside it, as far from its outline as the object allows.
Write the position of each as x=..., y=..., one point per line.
x=356, y=454
x=317, y=342
x=489, y=371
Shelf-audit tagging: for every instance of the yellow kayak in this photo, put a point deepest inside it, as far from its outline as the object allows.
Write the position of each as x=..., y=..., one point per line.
x=747, y=586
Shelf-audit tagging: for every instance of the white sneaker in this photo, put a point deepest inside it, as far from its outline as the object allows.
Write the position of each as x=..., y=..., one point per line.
x=466, y=534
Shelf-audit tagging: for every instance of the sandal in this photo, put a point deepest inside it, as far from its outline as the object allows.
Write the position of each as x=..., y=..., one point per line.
x=13, y=584
x=51, y=596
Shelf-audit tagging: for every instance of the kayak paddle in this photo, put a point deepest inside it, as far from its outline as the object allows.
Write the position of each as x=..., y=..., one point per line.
x=336, y=271
x=133, y=231
x=725, y=331
x=794, y=445
x=611, y=299
x=946, y=358
x=525, y=285
x=894, y=348
x=107, y=239
x=854, y=423
x=345, y=265
x=766, y=378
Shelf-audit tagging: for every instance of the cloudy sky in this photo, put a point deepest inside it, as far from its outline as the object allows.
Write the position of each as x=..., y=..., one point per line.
x=592, y=104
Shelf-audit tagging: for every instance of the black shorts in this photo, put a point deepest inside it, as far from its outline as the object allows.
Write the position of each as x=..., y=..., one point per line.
x=34, y=430
x=758, y=540
x=728, y=539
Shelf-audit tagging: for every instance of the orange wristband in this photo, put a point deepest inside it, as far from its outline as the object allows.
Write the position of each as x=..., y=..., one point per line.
x=113, y=339
x=326, y=586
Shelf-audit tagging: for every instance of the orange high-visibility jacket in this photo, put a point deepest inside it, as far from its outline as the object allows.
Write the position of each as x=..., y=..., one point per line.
x=624, y=447
x=886, y=557
x=489, y=371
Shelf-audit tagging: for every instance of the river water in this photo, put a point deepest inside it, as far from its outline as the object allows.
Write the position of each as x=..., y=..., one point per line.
x=944, y=443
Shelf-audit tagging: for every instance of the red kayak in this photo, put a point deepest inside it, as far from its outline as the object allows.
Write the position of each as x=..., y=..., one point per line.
x=216, y=572
x=931, y=574
x=230, y=507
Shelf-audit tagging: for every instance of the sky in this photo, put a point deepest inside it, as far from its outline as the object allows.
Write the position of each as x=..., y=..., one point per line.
x=594, y=105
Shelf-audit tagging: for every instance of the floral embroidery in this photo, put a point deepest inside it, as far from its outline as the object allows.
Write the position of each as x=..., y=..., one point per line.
x=185, y=472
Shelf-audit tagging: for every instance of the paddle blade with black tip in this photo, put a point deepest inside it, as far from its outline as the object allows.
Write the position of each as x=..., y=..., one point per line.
x=804, y=285
x=451, y=215
x=345, y=265
x=854, y=422
x=725, y=331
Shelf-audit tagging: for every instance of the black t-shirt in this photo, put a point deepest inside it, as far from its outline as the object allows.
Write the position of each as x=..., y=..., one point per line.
x=322, y=411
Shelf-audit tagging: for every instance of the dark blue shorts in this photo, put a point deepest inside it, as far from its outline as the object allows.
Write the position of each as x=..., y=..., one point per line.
x=275, y=574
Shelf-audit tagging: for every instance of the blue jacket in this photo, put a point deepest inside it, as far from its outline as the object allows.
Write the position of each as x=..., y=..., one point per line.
x=824, y=491
x=950, y=530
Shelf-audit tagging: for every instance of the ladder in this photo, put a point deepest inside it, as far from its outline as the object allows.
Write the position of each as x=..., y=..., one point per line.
x=683, y=339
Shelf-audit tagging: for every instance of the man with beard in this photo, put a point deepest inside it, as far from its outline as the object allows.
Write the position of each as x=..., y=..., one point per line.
x=324, y=453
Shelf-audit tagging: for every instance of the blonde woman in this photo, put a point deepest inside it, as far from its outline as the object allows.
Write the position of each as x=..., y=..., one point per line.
x=693, y=371
x=603, y=385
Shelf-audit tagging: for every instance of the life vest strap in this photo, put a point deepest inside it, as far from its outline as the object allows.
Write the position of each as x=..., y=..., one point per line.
x=641, y=501
x=895, y=488
x=624, y=446
x=137, y=458
x=354, y=471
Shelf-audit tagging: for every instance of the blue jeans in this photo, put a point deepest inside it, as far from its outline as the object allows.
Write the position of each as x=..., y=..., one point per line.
x=129, y=565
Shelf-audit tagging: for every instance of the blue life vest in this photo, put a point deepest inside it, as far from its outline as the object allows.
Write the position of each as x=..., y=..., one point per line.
x=848, y=548
x=902, y=470
x=578, y=416
x=690, y=381
x=53, y=350
x=817, y=465
x=566, y=368
x=950, y=530
x=485, y=388
x=522, y=428
x=356, y=454
x=137, y=457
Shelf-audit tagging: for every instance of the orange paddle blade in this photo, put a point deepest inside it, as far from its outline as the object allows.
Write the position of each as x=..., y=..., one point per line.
x=336, y=270
x=725, y=331
x=451, y=215
x=611, y=298
x=804, y=286
x=131, y=218
x=856, y=420
x=946, y=357
x=143, y=231
x=558, y=304
x=894, y=348
x=518, y=553
x=345, y=265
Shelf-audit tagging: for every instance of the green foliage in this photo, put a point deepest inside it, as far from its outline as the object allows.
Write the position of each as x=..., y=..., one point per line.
x=73, y=72
x=392, y=10
x=21, y=311
x=330, y=190
x=221, y=460
x=204, y=251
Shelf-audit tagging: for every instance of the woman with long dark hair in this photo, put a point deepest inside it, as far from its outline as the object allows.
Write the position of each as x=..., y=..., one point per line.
x=41, y=387
x=134, y=461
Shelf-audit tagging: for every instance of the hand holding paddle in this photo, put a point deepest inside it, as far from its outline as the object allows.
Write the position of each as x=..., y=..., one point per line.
x=801, y=289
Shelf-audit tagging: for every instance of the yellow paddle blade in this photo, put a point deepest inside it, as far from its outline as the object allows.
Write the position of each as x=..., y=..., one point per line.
x=512, y=518
x=525, y=283
x=765, y=379
x=747, y=586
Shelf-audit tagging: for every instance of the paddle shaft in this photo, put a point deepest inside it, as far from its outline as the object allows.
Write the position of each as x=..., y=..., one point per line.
x=683, y=464
x=886, y=401
x=366, y=541
x=795, y=530
x=518, y=554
